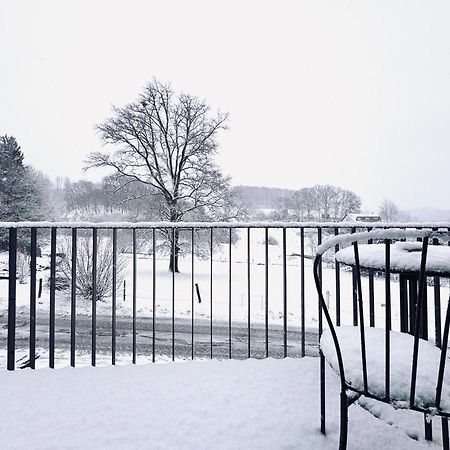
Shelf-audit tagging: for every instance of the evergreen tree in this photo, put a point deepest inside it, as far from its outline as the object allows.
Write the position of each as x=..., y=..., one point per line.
x=21, y=193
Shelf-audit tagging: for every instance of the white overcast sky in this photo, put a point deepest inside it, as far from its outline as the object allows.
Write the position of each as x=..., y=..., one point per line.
x=352, y=93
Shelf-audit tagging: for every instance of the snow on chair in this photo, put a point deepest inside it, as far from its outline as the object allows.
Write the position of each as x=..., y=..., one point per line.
x=398, y=368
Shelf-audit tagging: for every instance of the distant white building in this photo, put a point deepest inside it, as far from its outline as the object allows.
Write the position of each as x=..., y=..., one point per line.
x=361, y=218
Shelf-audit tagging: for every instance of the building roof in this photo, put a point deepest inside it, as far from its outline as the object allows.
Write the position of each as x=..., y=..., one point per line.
x=361, y=217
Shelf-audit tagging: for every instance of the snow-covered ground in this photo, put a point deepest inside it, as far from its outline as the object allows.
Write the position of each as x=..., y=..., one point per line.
x=252, y=404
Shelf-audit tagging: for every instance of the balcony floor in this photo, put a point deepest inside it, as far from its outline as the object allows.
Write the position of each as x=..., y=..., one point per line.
x=194, y=405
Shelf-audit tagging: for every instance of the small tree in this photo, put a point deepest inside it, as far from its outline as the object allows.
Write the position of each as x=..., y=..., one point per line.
x=104, y=274
x=168, y=143
x=388, y=211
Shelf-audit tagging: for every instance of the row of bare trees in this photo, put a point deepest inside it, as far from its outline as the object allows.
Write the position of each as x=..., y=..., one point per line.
x=320, y=202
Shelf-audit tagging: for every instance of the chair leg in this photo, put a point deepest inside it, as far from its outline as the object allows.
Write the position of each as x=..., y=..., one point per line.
x=344, y=422
x=428, y=427
x=445, y=442
x=322, y=394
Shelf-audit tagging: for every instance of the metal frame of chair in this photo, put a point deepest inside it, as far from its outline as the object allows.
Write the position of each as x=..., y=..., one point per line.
x=345, y=401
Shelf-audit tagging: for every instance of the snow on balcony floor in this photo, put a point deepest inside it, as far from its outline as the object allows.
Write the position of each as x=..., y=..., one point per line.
x=258, y=404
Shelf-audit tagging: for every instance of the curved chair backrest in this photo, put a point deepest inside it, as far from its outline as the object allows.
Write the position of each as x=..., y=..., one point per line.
x=387, y=236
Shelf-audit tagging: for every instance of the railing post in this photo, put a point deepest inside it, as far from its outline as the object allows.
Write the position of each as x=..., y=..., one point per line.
x=33, y=254
x=437, y=303
x=266, y=290
x=338, y=282
x=153, y=292
x=285, y=296
x=94, y=298
x=229, y=295
x=52, y=318
x=12, y=275
x=134, y=295
x=302, y=289
x=73, y=299
x=248, y=295
x=211, y=294
x=114, y=296
x=192, y=290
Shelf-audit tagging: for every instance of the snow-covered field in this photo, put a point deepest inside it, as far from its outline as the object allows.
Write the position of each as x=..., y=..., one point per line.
x=252, y=404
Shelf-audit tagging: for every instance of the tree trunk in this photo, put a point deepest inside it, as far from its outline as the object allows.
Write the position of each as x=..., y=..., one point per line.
x=173, y=264
x=174, y=252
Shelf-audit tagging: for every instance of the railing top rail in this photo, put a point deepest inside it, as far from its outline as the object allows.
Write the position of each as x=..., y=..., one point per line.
x=275, y=224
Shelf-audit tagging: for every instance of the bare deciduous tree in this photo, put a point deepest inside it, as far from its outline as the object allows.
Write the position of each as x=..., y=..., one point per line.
x=388, y=211
x=168, y=142
x=323, y=202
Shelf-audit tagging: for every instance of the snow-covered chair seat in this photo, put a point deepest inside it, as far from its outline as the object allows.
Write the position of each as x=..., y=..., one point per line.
x=401, y=355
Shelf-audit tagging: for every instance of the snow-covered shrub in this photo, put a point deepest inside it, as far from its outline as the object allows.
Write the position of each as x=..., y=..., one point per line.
x=84, y=260
x=23, y=267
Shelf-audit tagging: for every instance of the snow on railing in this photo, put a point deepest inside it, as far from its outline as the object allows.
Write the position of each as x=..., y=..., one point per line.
x=264, y=224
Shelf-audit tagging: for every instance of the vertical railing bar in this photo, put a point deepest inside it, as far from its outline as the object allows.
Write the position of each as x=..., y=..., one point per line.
x=285, y=338
x=12, y=275
x=319, y=241
x=444, y=420
x=192, y=291
x=114, y=296
x=412, y=293
x=321, y=355
x=354, y=292
x=174, y=262
x=153, y=292
x=266, y=290
x=443, y=356
x=387, y=349
x=371, y=292
x=73, y=298
x=445, y=440
x=403, y=285
x=229, y=294
x=134, y=295
x=52, y=298
x=302, y=289
x=211, y=295
x=437, y=303
x=361, y=316
x=248, y=294
x=94, y=298
x=33, y=255
x=338, y=282
x=424, y=312
x=422, y=287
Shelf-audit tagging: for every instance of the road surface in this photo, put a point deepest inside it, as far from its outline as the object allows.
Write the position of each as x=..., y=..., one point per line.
x=163, y=339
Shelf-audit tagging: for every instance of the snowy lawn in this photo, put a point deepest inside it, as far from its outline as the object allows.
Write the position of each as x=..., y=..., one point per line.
x=254, y=404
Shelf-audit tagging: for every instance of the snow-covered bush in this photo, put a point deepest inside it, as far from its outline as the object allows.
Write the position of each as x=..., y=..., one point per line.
x=84, y=261
x=23, y=267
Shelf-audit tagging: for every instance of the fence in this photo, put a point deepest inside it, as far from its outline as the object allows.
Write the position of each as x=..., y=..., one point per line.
x=242, y=292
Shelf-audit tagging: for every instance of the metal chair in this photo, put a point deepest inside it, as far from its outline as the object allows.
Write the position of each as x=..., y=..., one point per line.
x=347, y=349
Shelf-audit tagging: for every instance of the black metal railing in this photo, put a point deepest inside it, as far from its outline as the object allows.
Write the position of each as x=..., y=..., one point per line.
x=68, y=336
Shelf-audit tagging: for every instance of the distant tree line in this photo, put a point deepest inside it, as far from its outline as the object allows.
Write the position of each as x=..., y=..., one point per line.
x=318, y=203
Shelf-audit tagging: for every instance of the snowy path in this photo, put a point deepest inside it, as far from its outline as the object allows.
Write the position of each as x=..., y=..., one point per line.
x=252, y=404
x=163, y=341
